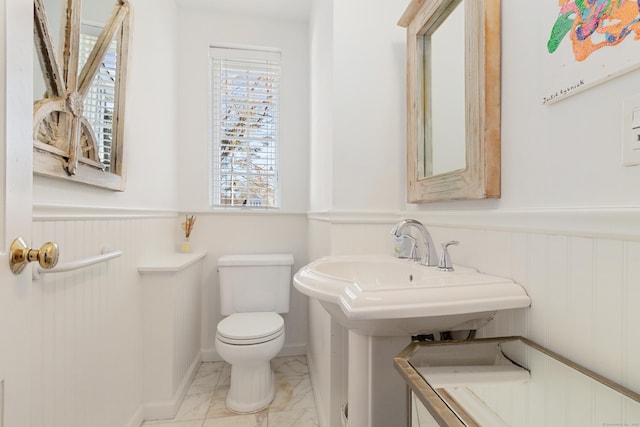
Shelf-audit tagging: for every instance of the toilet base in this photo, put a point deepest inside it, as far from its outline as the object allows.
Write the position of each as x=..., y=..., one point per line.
x=252, y=387
x=252, y=383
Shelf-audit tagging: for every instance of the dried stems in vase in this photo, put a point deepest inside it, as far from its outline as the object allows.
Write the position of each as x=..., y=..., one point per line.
x=187, y=225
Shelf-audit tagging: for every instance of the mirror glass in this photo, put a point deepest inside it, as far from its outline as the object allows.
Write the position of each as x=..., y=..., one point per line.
x=81, y=46
x=99, y=103
x=55, y=15
x=445, y=95
x=453, y=99
x=95, y=14
x=514, y=382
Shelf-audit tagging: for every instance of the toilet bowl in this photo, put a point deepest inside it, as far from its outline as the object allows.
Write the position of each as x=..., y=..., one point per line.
x=254, y=289
x=248, y=342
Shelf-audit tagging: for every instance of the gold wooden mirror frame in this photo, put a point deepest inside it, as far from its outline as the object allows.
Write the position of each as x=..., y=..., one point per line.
x=65, y=145
x=481, y=177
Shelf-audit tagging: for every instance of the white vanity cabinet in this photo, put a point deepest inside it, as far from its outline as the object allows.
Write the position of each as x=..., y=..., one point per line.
x=508, y=381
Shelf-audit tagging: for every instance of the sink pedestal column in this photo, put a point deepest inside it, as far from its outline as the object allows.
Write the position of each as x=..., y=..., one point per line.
x=376, y=392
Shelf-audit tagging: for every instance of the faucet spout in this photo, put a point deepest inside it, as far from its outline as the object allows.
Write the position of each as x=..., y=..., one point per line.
x=430, y=257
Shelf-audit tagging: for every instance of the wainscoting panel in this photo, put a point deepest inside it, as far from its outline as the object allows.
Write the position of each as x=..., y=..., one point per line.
x=171, y=321
x=188, y=308
x=86, y=324
x=581, y=268
x=225, y=233
x=584, y=289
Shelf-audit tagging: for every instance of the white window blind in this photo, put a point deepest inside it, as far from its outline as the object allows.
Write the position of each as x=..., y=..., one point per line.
x=245, y=127
x=99, y=102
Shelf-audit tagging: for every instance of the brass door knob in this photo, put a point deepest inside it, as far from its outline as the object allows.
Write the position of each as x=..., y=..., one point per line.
x=21, y=255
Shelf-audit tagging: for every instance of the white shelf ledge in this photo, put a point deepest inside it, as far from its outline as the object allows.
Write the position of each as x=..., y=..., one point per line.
x=170, y=262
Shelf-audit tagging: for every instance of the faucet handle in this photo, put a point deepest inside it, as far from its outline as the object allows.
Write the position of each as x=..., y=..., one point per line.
x=445, y=263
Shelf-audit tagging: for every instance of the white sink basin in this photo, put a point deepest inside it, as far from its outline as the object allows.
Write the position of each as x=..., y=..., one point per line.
x=383, y=295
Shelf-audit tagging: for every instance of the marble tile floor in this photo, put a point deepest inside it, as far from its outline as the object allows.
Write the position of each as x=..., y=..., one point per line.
x=203, y=406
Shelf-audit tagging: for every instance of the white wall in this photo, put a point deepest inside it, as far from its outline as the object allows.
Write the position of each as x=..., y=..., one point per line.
x=150, y=120
x=358, y=105
x=368, y=108
x=322, y=101
x=561, y=164
x=566, y=154
x=228, y=232
x=247, y=233
x=201, y=27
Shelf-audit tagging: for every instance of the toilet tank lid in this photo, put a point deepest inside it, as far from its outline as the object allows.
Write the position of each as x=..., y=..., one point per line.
x=255, y=259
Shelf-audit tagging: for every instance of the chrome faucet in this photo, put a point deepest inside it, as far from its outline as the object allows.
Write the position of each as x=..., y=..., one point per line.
x=429, y=257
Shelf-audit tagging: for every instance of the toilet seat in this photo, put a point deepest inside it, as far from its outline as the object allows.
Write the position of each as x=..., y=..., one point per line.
x=250, y=328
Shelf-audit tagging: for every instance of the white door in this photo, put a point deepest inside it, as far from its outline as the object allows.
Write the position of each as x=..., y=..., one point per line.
x=16, y=82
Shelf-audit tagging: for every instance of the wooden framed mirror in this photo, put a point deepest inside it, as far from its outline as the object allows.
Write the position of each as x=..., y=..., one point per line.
x=79, y=88
x=453, y=99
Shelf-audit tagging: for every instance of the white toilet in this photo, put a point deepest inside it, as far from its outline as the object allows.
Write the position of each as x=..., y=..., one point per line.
x=253, y=290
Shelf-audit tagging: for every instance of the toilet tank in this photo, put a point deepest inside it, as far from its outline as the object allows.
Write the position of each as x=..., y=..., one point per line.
x=253, y=283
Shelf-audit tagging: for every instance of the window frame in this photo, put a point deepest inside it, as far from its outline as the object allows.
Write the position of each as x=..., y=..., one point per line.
x=270, y=59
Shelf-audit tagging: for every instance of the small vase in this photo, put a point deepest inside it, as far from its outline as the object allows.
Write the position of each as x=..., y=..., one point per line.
x=186, y=245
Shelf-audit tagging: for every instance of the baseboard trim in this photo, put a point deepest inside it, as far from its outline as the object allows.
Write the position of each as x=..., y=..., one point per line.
x=169, y=409
x=322, y=419
x=210, y=355
x=137, y=419
x=293, y=350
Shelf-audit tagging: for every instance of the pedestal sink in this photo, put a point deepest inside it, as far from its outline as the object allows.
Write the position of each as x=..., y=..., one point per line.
x=382, y=301
x=385, y=296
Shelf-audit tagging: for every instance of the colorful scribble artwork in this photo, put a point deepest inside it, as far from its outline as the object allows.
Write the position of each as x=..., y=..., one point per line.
x=588, y=42
x=594, y=24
